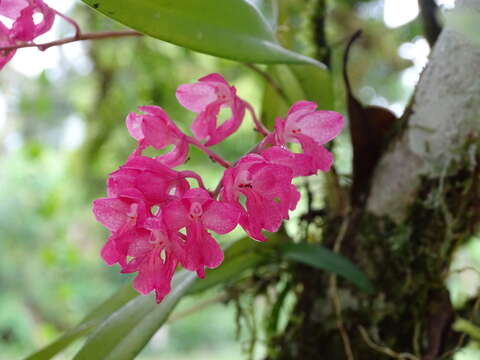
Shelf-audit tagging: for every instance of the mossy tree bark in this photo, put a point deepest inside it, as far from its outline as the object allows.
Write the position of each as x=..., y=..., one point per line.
x=423, y=203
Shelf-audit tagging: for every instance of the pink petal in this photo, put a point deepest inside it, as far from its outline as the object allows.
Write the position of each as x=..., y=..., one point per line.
x=300, y=164
x=197, y=194
x=24, y=27
x=271, y=179
x=176, y=157
x=160, y=131
x=12, y=8
x=264, y=211
x=214, y=78
x=176, y=215
x=196, y=97
x=204, y=125
x=109, y=252
x=134, y=125
x=301, y=107
x=221, y=217
x=121, y=181
x=229, y=126
x=155, y=275
x=143, y=163
x=112, y=213
x=293, y=198
x=202, y=250
x=154, y=180
x=322, y=158
x=253, y=226
x=321, y=126
x=228, y=192
x=135, y=243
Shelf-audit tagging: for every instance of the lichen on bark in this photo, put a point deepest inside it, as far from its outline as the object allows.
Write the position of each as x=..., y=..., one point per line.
x=445, y=119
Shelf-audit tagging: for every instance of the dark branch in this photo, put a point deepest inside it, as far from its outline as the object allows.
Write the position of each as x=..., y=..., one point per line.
x=431, y=27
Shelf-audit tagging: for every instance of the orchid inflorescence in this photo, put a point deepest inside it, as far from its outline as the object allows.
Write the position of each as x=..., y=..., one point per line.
x=159, y=220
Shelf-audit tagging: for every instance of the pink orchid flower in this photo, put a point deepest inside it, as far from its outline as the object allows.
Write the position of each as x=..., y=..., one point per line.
x=140, y=242
x=311, y=129
x=206, y=97
x=197, y=212
x=154, y=128
x=268, y=191
x=152, y=251
x=24, y=28
x=149, y=180
x=119, y=215
x=22, y=12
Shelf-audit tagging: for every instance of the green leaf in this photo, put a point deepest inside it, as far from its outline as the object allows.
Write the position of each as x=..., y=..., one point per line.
x=126, y=332
x=325, y=259
x=316, y=84
x=232, y=29
x=88, y=324
x=299, y=82
x=241, y=255
x=126, y=307
x=269, y=9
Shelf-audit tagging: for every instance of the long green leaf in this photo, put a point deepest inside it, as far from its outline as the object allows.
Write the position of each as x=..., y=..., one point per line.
x=239, y=256
x=126, y=331
x=232, y=29
x=88, y=324
x=269, y=9
x=325, y=259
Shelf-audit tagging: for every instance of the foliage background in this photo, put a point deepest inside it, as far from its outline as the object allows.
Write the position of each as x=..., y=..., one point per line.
x=62, y=131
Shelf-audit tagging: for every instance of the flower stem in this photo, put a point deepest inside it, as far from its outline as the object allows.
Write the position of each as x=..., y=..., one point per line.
x=212, y=155
x=260, y=127
x=273, y=83
x=80, y=37
x=68, y=19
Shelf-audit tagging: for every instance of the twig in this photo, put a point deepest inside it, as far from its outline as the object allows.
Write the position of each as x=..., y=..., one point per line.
x=416, y=339
x=269, y=80
x=382, y=349
x=259, y=126
x=334, y=293
x=68, y=19
x=81, y=37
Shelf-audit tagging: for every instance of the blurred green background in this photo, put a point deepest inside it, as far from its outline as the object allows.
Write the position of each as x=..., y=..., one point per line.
x=62, y=131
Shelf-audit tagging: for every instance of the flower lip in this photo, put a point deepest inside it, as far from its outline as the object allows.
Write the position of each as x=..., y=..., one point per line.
x=196, y=210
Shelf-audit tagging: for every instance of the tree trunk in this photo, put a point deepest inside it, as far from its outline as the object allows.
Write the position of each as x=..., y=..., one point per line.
x=424, y=202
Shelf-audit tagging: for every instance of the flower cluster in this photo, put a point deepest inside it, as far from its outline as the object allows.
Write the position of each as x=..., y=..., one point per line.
x=28, y=20
x=160, y=218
